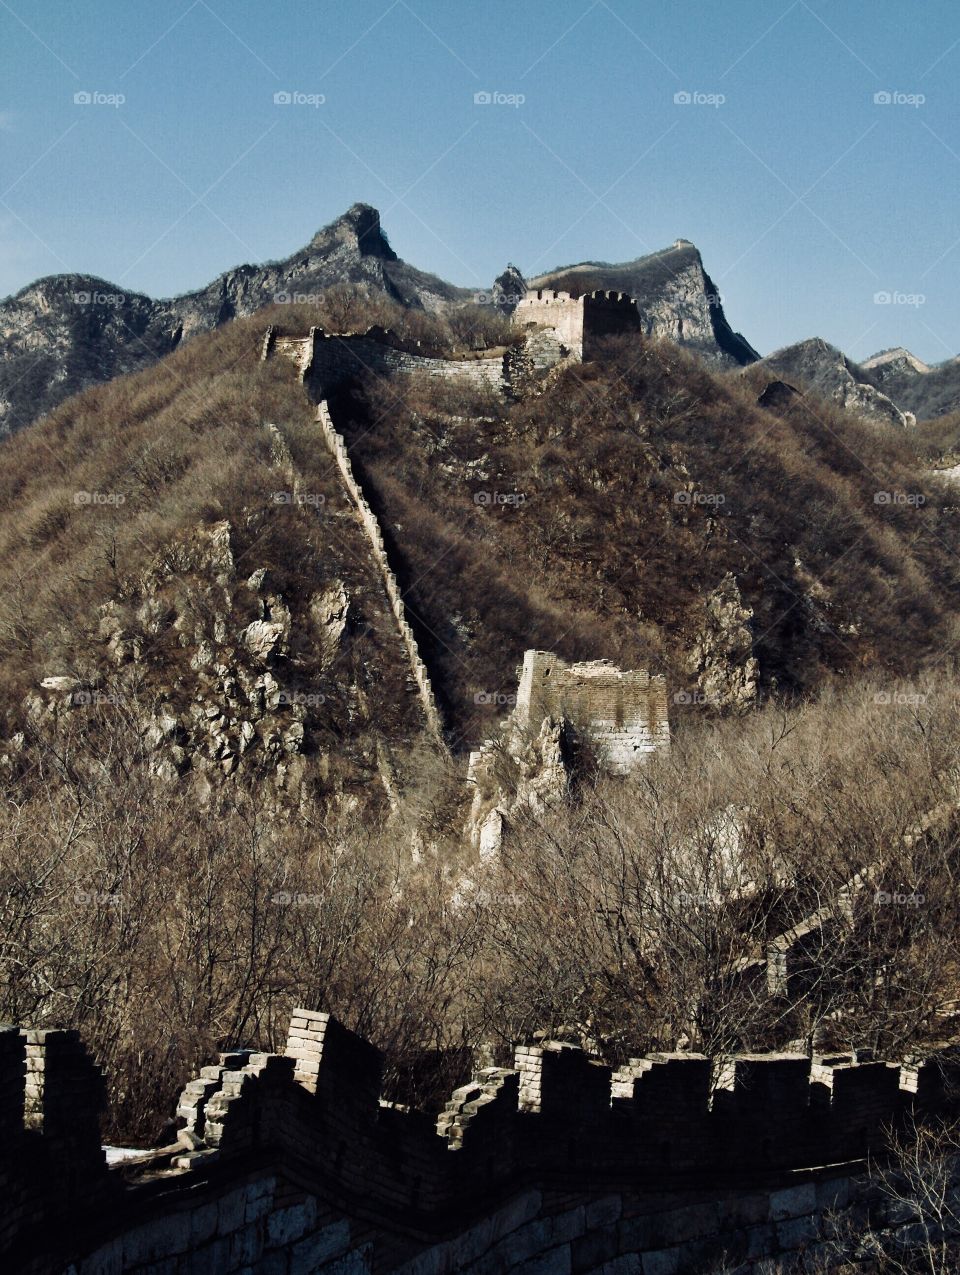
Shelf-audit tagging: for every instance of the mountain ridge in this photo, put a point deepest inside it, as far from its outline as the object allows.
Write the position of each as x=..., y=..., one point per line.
x=64, y=333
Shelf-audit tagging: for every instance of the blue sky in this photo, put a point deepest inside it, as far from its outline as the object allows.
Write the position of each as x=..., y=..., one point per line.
x=807, y=198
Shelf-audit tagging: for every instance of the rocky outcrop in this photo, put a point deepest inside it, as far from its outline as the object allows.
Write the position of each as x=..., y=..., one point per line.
x=521, y=772
x=236, y=702
x=927, y=391
x=826, y=371
x=722, y=657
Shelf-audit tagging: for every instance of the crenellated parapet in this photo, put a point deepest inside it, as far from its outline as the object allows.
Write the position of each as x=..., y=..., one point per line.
x=293, y=1161
x=578, y=321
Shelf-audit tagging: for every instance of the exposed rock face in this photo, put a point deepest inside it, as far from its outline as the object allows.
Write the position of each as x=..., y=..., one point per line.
x=894, y=363
x=675, y=296
x=239, y=699
x=508, y=289
x=722, y=656
x=914, y=385
x=522, y=771
x=330, y=612
x=825, y=370
x=68, y=332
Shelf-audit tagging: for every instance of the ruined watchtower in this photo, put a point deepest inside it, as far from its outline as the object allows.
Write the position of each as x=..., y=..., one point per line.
x=577, y=322
x=623, y=713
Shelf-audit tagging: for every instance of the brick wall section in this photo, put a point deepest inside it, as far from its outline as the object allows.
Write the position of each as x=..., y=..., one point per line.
x=371, y=526
x=624, y=713
x=292, y=1164
x=578, y=323
x=324, y=360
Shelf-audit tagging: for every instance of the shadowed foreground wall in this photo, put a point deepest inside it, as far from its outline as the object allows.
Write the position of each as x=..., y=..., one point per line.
x=293, y=1164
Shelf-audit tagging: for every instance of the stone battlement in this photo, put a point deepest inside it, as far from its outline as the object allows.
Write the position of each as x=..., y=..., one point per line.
x=291, y=1161
x=556, y=326
x=578, y=320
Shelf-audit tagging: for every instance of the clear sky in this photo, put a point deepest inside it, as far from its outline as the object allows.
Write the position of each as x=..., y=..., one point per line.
x=806, y=196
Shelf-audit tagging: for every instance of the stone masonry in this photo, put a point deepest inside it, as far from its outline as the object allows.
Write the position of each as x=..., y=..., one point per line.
x=624, y=714
x=338, y=448
x=292, y=1164
x=578, y=322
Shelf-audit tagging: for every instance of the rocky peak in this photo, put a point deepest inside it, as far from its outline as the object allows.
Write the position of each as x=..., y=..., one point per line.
x=508, y=289
x=822, y=368
x=358, y=228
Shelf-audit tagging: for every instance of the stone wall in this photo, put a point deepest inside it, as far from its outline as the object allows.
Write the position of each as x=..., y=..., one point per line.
x=325, y=360
x=557, y=326
x=623, y=713
x=292, y=1164
x=371, y=526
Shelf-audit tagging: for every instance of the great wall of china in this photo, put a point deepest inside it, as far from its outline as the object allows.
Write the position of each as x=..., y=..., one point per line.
x=292, y=1163
x=556, y=326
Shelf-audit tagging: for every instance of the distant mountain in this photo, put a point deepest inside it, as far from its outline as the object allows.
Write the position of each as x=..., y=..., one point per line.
x=675, y=295
x=67, y=332
x=919, y=388
x=826, y=371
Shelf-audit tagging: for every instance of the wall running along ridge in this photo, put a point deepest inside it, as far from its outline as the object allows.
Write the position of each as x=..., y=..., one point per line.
x=556, y=326
x=302, y=352
x=371, y=526
x=325, y=360
x=293, y=1164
